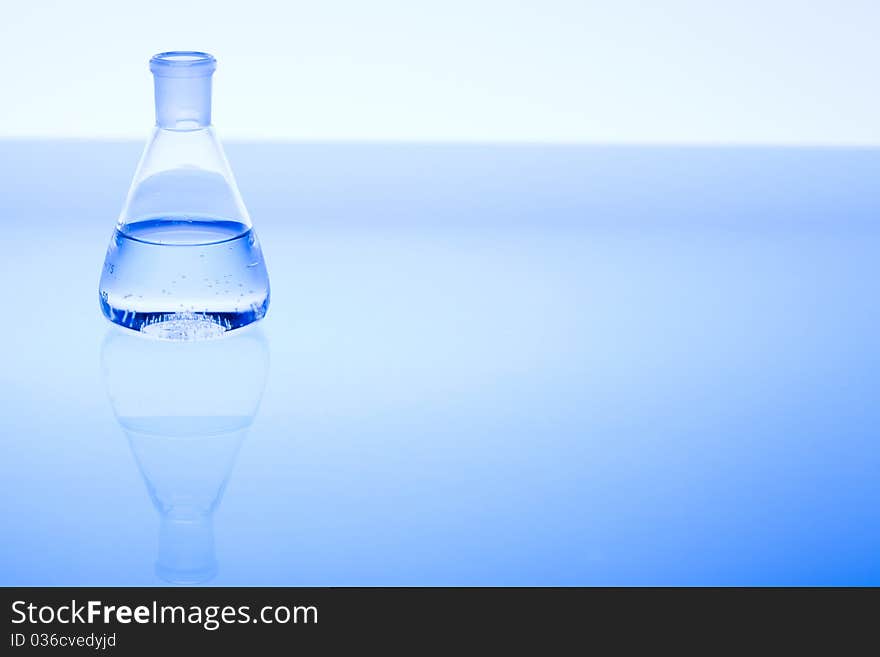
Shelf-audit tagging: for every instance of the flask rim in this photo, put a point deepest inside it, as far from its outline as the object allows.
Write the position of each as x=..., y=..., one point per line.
x=183, y=63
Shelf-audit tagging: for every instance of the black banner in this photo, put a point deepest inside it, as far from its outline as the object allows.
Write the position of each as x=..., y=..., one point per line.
x=127, y=621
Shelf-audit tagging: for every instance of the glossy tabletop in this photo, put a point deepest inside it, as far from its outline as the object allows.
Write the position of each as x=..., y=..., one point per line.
x=482, y=365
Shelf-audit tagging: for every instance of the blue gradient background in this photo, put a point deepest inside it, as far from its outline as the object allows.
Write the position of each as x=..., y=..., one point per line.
x=489, y=365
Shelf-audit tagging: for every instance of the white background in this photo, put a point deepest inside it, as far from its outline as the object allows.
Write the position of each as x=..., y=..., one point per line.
x=781, y=71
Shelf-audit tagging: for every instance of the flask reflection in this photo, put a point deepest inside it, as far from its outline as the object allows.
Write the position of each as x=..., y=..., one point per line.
x=185, y=408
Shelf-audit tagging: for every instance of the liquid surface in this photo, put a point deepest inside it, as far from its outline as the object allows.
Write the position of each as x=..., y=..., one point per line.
x=184, y=279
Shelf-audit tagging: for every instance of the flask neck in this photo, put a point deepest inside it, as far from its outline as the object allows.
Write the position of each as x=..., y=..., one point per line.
x=183, y=103
x=186, y=549
x=183, y=89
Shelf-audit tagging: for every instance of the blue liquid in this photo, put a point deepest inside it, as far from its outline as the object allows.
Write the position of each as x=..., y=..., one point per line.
x=184, y=278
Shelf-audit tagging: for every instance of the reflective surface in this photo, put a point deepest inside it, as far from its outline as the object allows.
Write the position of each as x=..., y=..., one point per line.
x=186, y=407
x=484, y=365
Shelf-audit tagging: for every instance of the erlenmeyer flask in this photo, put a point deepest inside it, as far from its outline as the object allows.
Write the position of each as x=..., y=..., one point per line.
x=184, y=261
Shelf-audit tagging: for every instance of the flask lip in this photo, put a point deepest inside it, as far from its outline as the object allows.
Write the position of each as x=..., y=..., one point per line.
x=183, y=63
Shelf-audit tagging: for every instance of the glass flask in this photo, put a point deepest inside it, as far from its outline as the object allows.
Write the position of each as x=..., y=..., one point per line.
x=185, y=408
x=184, y=261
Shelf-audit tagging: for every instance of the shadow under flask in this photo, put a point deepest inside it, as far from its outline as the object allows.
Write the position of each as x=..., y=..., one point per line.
x=184, y=261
